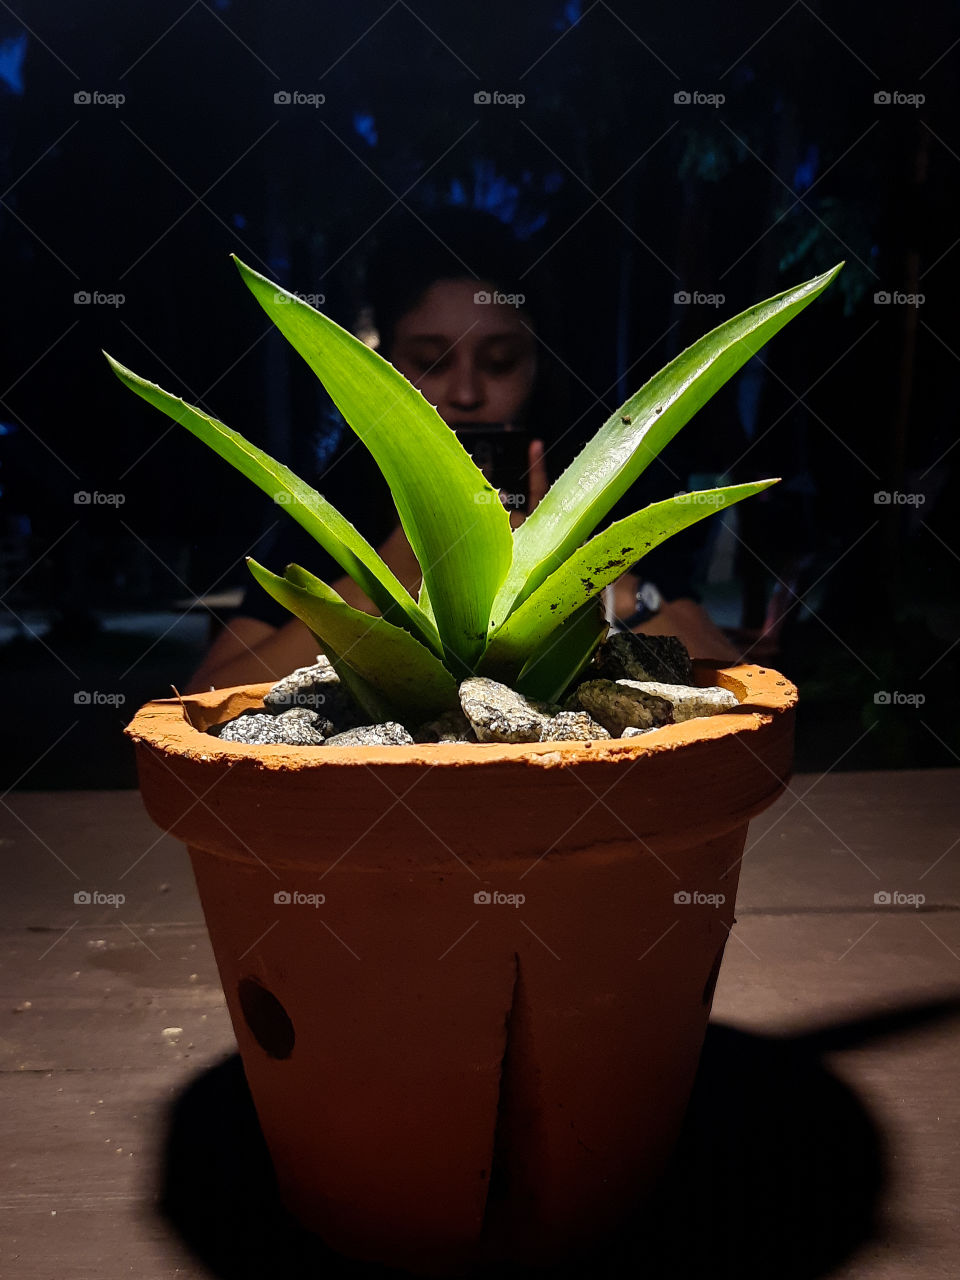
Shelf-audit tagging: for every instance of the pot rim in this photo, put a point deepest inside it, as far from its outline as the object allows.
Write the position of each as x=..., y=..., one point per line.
x=176, y=726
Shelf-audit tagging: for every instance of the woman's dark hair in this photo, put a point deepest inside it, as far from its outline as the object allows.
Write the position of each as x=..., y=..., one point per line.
x=457, y=244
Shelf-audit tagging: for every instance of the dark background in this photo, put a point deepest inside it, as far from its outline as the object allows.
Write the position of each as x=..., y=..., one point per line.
x=626, y=196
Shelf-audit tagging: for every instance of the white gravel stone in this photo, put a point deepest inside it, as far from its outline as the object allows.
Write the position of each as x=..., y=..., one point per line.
x=688, y=702
x=388, y=734
x=303, y=729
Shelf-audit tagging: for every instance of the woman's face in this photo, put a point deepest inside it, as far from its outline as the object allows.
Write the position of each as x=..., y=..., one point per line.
x=476, y=361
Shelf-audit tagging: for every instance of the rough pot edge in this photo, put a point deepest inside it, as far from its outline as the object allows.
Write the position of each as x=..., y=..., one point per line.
x=177, y=726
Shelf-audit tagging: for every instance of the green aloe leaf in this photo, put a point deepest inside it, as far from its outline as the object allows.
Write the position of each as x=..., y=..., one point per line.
x=453, y=519
x=564, y=653
x=630, y=439
x=317, y=516
x=406, y=677
x=423, y=600
x=595, y=565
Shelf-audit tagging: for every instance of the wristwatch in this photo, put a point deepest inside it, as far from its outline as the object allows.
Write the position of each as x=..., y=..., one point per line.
x=648, y=602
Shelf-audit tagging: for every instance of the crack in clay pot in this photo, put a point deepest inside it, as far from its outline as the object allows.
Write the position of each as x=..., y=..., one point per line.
x=711, y=984
x=511, y=1191
x=497, y=1186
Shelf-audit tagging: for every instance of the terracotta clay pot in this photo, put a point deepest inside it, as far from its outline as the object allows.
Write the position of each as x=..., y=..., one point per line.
x=444, y=1072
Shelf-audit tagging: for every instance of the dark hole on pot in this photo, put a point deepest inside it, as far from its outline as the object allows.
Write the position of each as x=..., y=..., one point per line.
x=267, y=1018
x=711, y=986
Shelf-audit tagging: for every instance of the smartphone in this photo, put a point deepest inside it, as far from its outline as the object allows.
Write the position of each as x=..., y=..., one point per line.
x=501, y=451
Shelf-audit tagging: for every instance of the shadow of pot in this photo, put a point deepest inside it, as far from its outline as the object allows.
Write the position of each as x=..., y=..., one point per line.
x=778, y=1171
x=469, y=984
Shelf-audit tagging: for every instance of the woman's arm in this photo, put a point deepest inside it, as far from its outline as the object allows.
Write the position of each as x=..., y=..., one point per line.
x=250, y=651
x=691, y=622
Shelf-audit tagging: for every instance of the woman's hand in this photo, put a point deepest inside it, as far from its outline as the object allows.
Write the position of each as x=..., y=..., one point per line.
x=537, y=482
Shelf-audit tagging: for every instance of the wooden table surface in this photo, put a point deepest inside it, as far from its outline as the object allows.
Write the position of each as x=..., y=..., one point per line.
x=824, y=1137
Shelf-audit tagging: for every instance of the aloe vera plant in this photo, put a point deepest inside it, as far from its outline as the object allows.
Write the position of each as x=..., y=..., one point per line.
x=519, y=605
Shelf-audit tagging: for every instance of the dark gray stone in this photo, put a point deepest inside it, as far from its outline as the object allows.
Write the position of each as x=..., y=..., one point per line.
x=303, y=715
x=628, y=656
x=388, y=734
x=452, y=726
x=500, y=714
x=618, y=705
